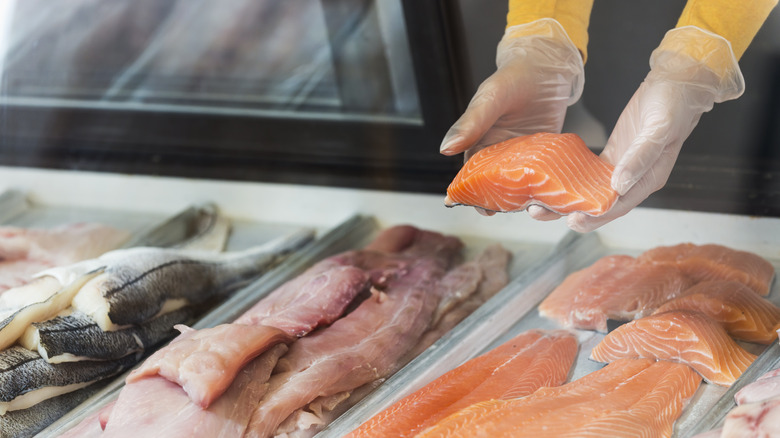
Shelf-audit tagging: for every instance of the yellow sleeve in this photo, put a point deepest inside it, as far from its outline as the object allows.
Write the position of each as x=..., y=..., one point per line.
x=574, y=16
x=737, y=21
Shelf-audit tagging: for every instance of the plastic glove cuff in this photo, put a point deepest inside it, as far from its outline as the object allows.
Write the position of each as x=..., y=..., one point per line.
x=694, y=56
x=547, y=39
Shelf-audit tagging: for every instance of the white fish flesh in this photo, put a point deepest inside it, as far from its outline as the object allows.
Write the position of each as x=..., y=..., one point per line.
x=75, y=336
x=37, y=301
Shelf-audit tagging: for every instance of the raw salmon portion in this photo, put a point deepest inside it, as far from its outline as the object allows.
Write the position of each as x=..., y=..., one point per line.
x=683, y=336
x=716, y=262
x=615, y=287
x=557, y=171
x=629, y=397
x=517, y=368
x=743, y=313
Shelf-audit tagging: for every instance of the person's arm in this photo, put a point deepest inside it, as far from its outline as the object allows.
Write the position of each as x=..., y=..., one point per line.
x=736, y=21
x=693, y=68
x=573, y=15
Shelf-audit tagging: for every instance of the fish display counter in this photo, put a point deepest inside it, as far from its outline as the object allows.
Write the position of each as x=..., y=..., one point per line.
x=543, y=256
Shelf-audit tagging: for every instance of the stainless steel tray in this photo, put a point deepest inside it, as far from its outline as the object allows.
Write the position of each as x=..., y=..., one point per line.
x=514, y=310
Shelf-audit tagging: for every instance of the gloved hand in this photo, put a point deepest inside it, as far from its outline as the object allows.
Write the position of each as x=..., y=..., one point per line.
x=540, y=72
x=690, y=71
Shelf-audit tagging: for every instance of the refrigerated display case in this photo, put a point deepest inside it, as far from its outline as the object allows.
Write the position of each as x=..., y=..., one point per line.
x=327, y=114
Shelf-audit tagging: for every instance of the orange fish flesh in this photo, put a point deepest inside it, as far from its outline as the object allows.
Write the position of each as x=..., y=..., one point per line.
x=716, y=262
x=684, y=336
x=557, y=171
x=743, y=313
x=628, y=397
x=516, y=368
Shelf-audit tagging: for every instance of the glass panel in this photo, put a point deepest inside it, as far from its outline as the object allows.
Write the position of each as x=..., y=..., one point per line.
x=277, y=58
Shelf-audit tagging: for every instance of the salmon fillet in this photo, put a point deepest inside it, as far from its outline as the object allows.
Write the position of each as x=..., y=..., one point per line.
x=716, y=262
x=614, y=287
x=684, y=336
x=629, y=397
x=557, y=171
x=515, y=369
x=743, y=313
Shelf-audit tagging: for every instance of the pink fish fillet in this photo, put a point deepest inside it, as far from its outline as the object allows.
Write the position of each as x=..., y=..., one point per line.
x=26, y=251
x=760, y=419
x=614, y=287
x=156, y=407
x=359, y=348
x=205, y=367
x=765, y=387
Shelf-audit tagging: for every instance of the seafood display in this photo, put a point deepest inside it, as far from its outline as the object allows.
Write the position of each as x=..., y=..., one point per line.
x=644, y=332
x=515, y=369
x=556, y=171
x=311, y=348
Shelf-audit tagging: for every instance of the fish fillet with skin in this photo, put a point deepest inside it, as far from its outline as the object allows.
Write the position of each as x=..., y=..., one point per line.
x=716, y=262
x=26, y=378
x=682, y=336
x=629, y=397
x=515, y=369
x=556, y=171
x=27, y=251
x=743, y=313
x=616, y=287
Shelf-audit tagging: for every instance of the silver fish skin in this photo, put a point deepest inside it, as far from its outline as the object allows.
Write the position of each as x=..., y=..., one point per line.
x=28, y=422
x=23, y=371
x=77, y=337
x=139, y=283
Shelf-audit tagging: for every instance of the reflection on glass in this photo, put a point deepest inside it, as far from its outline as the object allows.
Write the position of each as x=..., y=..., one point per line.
x=305, y=58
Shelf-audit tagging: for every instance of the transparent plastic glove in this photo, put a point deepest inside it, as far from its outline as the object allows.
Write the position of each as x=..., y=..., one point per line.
x=540, y=73
x=690, y=71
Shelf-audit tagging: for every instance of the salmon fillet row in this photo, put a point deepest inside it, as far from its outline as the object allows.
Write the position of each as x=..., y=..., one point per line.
x=515, y=369
x=623, y=288
x=627, y=398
